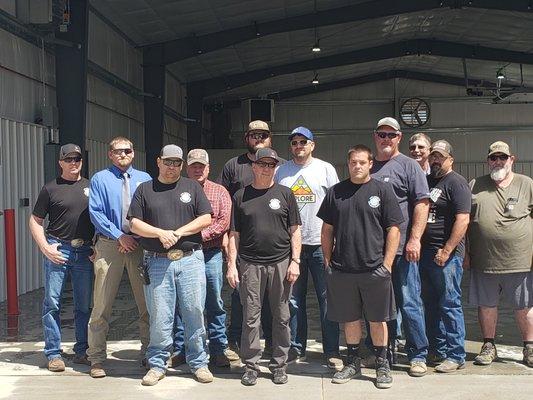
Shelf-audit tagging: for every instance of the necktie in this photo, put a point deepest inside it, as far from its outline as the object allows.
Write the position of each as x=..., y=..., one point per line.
x=126, y=200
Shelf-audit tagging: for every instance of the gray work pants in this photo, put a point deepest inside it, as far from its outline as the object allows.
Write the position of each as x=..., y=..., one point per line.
x=255, y=280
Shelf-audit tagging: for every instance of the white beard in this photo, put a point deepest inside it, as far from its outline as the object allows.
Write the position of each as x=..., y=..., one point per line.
x=499, y=174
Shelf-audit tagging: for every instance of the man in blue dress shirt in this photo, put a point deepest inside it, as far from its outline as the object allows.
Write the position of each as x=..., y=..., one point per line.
x=116, y=248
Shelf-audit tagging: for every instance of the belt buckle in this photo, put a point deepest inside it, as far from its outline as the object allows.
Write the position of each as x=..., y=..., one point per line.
x=76, y=243
x=175, y=254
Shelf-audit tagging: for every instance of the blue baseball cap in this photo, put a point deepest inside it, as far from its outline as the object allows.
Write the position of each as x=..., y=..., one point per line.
x=301, y=130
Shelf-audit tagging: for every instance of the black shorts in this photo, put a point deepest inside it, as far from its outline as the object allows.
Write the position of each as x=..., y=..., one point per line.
x=368, y=294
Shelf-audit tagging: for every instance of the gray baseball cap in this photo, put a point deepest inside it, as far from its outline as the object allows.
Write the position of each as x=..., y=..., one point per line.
x=171, y=151
x=266, y=152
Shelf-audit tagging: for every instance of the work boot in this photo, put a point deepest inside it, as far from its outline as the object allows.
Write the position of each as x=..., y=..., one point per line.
x=418, y=368
x=80, y=359
x=449, y=366
x=176, y=360
x=528, y=355
x=435, y=359
x=152, y=377
x=220, y=360
x=294, y=356
x=334, y=361
x=56, y=365
x=203, y=375
x=249, y=378
x=97, y=371
x=351, y=370
x=279, y=376
x=487, y=354
x=383, y=373
x=231, y=354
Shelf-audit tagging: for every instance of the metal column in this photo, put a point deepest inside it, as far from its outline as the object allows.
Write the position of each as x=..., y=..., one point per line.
x=154, y=104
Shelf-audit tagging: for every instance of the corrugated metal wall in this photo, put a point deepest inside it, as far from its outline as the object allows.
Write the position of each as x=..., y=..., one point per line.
x=21, y=176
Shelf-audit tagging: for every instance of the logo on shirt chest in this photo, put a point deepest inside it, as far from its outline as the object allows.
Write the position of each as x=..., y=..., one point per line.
x=274, y=204
x=86, y=191
x=374, y=201
x=435, y=194
x=302, y=192
x=185, y=197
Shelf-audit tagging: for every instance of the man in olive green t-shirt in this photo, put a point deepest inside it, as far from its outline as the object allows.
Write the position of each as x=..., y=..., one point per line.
x=500, y=244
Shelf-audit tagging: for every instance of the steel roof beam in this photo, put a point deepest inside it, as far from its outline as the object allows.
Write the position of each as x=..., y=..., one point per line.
x=384, y=52
x=190, y=46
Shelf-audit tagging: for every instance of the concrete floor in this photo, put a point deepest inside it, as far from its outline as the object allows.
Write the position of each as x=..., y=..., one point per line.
x=23, y=373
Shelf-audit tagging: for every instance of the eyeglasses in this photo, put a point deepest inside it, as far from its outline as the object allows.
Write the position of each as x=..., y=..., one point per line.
x=258, y=136
x=390, y=135
x=172, y=163
x=118, y=152
x=303, y=142
x=502, y=157
x=263, y=164
x=68, y=160
x=415, y=146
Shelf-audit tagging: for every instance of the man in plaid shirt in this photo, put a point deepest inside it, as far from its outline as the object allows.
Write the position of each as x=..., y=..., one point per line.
x=214, y=241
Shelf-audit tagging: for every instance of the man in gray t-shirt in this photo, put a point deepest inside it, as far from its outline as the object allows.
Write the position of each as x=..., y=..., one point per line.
x=411, y=188
x=309, y=178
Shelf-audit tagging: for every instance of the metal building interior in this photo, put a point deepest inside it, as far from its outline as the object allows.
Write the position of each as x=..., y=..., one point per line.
x=188, y=72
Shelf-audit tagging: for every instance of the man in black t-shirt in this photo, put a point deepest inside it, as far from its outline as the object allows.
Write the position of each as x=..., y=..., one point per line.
x=66, y=245
x=265, y=234
x=169, y=213
x=441, y=263
x=360, y=237
x=236, y=174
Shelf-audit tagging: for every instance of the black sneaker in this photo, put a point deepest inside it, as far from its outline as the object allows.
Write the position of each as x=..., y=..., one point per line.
x=351, y=370
x=249, y=378
x=383, y=373
x=294, y=356
x=279, y=376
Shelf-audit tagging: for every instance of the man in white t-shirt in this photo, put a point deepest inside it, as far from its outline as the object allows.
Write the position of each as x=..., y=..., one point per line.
x=309, y=178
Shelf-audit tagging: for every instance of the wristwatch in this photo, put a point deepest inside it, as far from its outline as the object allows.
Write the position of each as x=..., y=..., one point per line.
x=296, y=260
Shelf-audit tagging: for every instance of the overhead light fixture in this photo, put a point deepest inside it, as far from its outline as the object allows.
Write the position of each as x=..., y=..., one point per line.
x=316, y=48
x=500, y=74
x=315, y=80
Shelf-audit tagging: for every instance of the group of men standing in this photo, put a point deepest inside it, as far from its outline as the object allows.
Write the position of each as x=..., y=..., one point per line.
x=387, y=245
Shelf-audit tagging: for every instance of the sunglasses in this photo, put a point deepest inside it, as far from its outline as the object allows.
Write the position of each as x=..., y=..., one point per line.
x=390, y=135
x=263, y=164
x=68, y=160
x=118, y=152
x=414, y=147
x=172, y=163
x=302, y=142
x=257, y=136
x=502, y=157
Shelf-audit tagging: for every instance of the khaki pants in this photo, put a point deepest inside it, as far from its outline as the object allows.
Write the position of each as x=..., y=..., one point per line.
x=109, y=266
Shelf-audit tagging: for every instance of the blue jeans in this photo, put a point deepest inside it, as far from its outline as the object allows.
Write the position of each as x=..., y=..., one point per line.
x=214, y=306
x=312, y=261
x=406, y=281
x=181, y=281
x=81, y=273
x=441, y=291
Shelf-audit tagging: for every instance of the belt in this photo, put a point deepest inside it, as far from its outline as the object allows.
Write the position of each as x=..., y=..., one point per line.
x=174, y=254
x=75, y=243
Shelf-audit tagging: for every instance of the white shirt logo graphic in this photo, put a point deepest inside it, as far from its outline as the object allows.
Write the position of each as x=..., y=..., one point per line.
x=86, y=191
x=274, y=204
x=374, y=201
x=435, y=194
x=185, y=197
